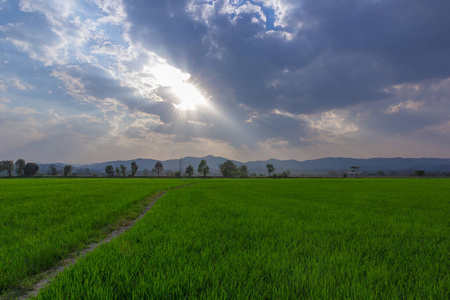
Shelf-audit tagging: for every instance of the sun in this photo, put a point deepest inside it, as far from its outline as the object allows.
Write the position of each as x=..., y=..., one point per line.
x=189, y=96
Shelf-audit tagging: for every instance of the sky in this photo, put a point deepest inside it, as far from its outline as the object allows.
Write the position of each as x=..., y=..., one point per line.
x=93, y=81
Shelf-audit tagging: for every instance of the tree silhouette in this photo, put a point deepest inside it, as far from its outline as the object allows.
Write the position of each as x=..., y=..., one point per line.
x=158, y=167
x=30, y=169
x=243, y=171
x=20, y=164
x=190, y=170
x=109, y=170
x=67, y=169
x=228, y=169
x=203, y=168
x=123, y=170
x=8, y=166
x=270, y=169
x=134, y=168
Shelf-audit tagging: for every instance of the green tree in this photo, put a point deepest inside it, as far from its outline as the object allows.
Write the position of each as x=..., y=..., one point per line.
x=20, y=164
x=134, y=168
x=270, y=168
x=190, y=170
x=203, y=168
x=243, y=171
x=67, y=170
x=109, y=170
x=146, y=172
x=30, y=169
x=117, y=171
x=228, y=169
x=158, y=167
x=123, y=170
x=8, y=166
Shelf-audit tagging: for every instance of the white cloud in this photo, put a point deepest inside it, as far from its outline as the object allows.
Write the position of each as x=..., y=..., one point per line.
x=15, y=83
x=406, y=105
x=281, y=9
x=57, y=34
x=114, y=12
x=63, y=29
x=334, y=121
x=331, y=121
x=288, y=36
x=20, y=84
x=48, y=7
x=198, y=123
x=273, y=144
x=235, y=10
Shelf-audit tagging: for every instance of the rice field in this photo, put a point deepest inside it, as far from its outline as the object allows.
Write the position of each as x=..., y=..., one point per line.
x=42, y=221
x=269, y=238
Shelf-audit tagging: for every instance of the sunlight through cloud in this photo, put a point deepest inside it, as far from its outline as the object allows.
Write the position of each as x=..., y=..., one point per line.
x=189, y=97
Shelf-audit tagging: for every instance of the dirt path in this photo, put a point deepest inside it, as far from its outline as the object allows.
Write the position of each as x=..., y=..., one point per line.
x=49, y=275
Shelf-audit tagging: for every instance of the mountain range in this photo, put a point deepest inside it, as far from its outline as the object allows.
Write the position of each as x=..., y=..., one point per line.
x=307, y=167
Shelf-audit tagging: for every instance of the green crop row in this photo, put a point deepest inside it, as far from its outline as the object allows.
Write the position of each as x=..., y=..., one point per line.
x=277, y=239
x=44, y=220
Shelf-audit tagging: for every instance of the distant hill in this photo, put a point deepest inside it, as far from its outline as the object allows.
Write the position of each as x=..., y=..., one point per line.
x=307, y=167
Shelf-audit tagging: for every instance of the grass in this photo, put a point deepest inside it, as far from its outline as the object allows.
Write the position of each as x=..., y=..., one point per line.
x=293, y=238
x=42, y=221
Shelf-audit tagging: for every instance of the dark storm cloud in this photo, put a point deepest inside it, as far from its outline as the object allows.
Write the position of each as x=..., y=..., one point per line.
x=167, y=29
x=411, y=35
x=281, y=127
x=345, y=52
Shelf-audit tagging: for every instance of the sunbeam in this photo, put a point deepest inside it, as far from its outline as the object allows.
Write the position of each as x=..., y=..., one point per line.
x=189, y=95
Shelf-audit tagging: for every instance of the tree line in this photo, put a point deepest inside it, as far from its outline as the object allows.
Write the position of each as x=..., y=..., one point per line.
x=21, y=167
x=121, y=171
x=227, y=169
x=24, y=169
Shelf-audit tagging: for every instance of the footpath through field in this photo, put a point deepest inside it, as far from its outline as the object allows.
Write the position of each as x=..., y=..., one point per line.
x=47, y=223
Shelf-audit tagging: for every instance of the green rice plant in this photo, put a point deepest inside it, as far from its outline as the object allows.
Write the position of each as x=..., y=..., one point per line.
x=42, y=221
x=277, y=239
